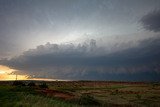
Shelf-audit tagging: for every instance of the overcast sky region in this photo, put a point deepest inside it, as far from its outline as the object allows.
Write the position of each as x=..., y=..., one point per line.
x=81, y=39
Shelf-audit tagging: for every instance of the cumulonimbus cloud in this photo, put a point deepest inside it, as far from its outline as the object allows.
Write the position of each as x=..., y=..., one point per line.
x=151, y=21
x=87, y=61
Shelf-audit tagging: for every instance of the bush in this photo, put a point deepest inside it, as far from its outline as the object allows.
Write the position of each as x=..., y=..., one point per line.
x=18, y=83
x=43, y=85
x=86, y=99
x=138, y=96
x=31, y=84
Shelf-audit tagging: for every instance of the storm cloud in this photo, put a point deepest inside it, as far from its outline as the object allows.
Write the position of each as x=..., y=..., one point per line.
x=81, y=39
x=89, y=61
x=151, y=21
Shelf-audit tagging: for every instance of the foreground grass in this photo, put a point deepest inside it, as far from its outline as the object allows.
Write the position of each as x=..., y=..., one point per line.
x=30, y=100
x=13, y=96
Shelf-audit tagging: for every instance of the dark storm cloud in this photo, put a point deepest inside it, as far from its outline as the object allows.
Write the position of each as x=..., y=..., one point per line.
x=87, y=61
x=25, y=24
x=151, y=21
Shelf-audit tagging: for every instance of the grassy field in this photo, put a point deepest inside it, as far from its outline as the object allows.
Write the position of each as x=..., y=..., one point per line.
x=78, y=94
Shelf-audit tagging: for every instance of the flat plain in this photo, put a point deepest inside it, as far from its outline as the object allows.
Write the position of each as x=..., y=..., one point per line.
x=79, y=94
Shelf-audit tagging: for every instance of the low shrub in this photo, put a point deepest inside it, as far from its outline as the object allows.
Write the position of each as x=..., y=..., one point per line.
x=43, y=85
x=138, y=96
x=31, y=84
x=86, y=99
x=18, y=83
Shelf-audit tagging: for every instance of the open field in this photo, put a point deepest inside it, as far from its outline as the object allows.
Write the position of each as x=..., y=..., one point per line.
x=79, y=94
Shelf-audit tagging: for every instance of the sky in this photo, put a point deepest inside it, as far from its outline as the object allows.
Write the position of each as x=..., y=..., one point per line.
x=80, y=39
